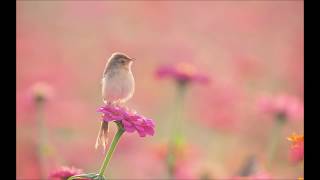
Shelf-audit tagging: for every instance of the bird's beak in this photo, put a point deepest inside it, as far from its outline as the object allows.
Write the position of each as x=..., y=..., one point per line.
x=132, y=59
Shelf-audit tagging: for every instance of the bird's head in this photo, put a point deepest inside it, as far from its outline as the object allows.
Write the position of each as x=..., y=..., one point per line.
x=118, y=60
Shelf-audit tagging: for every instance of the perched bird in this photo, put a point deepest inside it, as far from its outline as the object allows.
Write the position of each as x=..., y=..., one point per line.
x=117, y=87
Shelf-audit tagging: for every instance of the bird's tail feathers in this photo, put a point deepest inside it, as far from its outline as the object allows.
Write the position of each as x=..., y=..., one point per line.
x=102, y=135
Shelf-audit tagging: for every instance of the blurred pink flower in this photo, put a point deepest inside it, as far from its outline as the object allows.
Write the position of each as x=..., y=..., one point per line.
x=284, y=106
x=182, y=72
x=296, y=153
x=185, y=171
x=37, y=92
x=131, y=121
x=41, y=91
x=64, y=173
x=256, y=176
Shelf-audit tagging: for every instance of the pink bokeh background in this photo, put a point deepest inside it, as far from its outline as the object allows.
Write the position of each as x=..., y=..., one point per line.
x=248, y=49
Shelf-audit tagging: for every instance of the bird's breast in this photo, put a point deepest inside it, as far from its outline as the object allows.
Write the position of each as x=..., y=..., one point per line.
x=117, y=86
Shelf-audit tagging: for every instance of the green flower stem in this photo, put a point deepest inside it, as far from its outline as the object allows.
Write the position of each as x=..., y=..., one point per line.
x=111, y=149
x=176, y=129
x=41, y=135
x=275, y=137
x=171, y=159
x=180, y=97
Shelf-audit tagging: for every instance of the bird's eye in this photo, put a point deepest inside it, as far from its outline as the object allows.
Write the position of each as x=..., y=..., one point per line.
x=122, y=61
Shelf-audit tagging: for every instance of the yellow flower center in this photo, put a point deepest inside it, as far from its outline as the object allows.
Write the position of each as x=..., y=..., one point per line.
x=186, y=68
x=41, y=91
x=295, y=138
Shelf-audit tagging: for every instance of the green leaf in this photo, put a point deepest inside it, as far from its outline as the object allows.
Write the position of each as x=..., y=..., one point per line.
x=99, y=178
x=89, y=175
x=93, y=176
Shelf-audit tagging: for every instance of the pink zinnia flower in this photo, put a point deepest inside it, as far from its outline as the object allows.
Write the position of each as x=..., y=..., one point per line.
x=182, y=72
x=256, y=176
x=64, y=173
x=296, y=153
x=130, y=121
x=283, y=106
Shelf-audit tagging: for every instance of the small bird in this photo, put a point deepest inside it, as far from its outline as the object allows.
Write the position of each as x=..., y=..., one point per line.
x=117, y=87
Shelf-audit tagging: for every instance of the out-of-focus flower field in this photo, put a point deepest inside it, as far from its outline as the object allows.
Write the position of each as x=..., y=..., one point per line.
x=242, y=77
